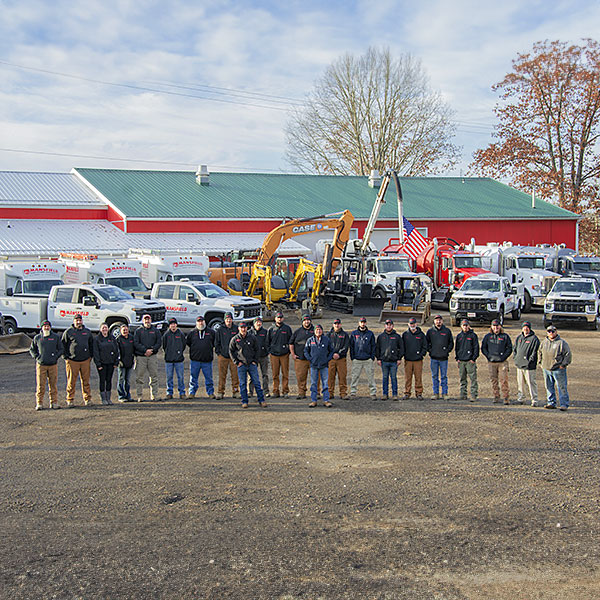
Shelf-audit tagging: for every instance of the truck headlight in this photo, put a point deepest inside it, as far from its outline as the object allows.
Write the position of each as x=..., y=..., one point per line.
x=549, y=306
x=453, y=303
x=591, y=308
x=492, y=304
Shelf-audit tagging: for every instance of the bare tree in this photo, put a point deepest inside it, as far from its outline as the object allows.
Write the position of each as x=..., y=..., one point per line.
x=372, y=112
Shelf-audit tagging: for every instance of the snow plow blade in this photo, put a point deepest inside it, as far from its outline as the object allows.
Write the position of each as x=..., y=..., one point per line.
x=14, y=343
x=403, y=316
x=367, y=307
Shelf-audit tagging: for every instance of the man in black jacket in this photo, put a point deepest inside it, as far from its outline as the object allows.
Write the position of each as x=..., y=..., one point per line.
x=297, y=344
x=415, y=349
x=466, y=351
x=496, y=346
x=46, y=348
x=525, y=355
x=244, y=351
x=223, y=336
x=389, y=350
x=278, y=341
x=78, y=346
x=126, y=362
x=173, y=343
x=261, y=334
x=338, y=365
x=439, y=345
x=146, y=344
x=201, y=342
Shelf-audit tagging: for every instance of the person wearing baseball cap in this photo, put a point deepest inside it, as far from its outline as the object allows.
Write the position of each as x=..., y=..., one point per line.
x=440, y=344
x=362, y=355
x=415, y=350
x=223, y=336
x=389, y=350
x=244, y=350
x=466, y=352
x=174, y=344
x=338, y=365
x=278, y=343
x=496, y=346
x=46, y=348
x=78, y=346
x=555, y=357
x=319, y=351
x=201, y=342
x=146, y=343
x=297, y=344
x=261, y=333
x=525, y=356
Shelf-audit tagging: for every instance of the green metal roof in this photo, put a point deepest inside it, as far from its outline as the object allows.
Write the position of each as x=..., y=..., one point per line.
x=176, y=195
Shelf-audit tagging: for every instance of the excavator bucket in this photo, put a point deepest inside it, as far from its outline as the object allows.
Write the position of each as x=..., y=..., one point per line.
x=14, y=343
x=367, y=307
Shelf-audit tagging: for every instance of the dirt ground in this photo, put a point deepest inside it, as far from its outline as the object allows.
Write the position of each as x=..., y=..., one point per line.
x=374, y=500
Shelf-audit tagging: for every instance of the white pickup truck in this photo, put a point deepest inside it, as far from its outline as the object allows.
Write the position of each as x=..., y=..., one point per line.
x=95, y=302
x=186, y=300
x=573, y=300
x=486, y=297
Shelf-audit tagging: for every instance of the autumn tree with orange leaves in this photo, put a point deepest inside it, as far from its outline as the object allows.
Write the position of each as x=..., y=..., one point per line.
x=548, y=131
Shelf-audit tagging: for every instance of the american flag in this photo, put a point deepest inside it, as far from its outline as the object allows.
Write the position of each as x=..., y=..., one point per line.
x=414, y=242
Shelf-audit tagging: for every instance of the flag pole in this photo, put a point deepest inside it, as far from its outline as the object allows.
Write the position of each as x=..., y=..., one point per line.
x=400, y=208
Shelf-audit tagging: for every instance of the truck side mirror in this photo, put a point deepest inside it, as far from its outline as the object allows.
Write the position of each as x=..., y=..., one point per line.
x=513, y=290
x=191, y=297
x=9, y=291
x=89, y=301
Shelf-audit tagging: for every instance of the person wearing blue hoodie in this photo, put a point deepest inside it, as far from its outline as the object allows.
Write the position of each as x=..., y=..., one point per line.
x=319, y=351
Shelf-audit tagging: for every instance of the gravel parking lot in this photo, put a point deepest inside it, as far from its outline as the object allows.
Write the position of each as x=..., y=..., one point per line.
x=378, y=500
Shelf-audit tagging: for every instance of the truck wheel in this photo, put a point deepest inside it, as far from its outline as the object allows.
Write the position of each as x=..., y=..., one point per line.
x=516, y=314
x=378, y=294
x=527, y=307
x=216, y=323
x=115, y=329
x=594, y=324
x=456, y=321
x=10, y=326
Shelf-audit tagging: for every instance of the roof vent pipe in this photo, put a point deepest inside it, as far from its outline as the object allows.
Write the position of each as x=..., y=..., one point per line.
x=533, y=198
x=374, y=179
x=202, y=175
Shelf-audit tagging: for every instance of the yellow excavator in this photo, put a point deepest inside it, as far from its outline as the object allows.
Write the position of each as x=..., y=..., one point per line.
x=259, y=273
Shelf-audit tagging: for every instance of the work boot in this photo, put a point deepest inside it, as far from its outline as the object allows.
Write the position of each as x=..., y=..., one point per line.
x=435, y=397
x=108, y=400
x=182, y=396
x=497, y=400
x=220, y=396
x=192, y=395
x=395, y=398
x=169, y=397
x=445, y=397
x=54, y=405
x=39, y=407
x=212, y=397
x=506, y=401
x=235, y=395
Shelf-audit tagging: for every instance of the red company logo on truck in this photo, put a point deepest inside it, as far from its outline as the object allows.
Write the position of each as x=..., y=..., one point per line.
x=68, y=313
x=183, y=263
x=120, y=269
x=37, y=270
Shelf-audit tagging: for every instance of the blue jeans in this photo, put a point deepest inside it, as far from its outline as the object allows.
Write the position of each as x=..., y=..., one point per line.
x=123, y=383
x=315, y=375
x=439, y=371
x=252, y=371
x=553, y=379
x=206, y=367
x=176, y=367
x=389, y=371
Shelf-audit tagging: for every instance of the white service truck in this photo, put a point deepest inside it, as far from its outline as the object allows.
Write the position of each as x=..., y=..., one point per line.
x=186, y=300
x=521, y=264
x=161, y=266
x=381, y=273
x=487, y=297
x=573, y=300
x=121, y=272
x=30, y=277
x=97, y=303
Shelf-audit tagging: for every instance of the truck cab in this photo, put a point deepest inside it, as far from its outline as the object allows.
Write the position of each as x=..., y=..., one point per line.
x=157, y=266
x=586, y=266
x=30, y=278
x=186, y=300
x=381, y=273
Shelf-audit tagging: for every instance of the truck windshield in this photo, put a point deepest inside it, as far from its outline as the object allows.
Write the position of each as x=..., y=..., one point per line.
x=111, y=293
x=389, y=266
x=191, y=277
x=129, y=284
x=580, y=287
x=210, y=290
x=467, y=262
x=588, y=267
x=532, y=262
x=40, y=287
x=487, y=285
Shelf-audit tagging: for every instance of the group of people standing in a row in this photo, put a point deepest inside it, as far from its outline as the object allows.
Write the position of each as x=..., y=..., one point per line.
x=246, y=351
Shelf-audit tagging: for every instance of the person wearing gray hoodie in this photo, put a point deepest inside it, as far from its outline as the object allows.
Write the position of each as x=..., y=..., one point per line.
x=525, y=355
x=555, y=357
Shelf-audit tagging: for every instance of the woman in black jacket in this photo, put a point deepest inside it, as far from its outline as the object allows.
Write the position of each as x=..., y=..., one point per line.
x=106, y=358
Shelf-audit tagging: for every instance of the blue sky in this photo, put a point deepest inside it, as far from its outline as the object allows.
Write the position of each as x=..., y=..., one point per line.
x=114, y=78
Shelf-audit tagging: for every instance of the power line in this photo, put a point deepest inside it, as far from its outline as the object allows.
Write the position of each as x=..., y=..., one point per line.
x=137, y=87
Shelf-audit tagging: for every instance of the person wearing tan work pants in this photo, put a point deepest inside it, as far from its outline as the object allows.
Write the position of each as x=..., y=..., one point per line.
x=499, y=371
x=79, y=369
x=339, y=367
x=45, y=373
x=413, y=368
x=146, y=372
x=280, y=363
x=225, y=365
